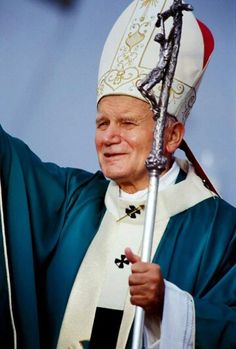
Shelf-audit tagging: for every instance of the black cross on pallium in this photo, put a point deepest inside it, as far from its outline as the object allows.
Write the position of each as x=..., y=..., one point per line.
x=132, y=211
x=122, y=261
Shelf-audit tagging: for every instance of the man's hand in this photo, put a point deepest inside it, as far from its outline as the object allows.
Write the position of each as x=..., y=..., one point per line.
x=146, y=284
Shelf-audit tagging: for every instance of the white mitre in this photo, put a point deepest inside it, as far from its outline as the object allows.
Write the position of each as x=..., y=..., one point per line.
x=130, y=53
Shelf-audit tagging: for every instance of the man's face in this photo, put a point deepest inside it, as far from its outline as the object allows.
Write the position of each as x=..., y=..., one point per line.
x=124, y=136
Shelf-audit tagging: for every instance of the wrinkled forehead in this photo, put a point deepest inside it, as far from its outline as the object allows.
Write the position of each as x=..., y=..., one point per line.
x=122, y=105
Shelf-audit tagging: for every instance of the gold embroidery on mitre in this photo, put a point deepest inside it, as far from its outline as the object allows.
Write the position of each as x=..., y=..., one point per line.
x=149, y=3
x=125, y=69
x=130, y=49
x=100, y=88
x=117, y=78
x=135, y=38
x=176, y=91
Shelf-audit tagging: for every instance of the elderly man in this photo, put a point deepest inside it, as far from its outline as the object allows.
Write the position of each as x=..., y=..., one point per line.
x=71, y=240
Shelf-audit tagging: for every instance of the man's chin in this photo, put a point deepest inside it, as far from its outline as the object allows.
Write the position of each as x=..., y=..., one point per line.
x=116, y=176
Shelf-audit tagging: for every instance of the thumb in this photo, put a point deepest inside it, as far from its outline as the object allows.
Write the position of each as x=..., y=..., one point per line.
x=133, y=258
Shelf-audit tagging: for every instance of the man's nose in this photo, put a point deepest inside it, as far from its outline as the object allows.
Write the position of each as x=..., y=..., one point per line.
x=112, y=135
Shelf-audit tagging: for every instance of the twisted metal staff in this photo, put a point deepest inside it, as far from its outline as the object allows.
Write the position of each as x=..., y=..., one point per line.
x=156, y=161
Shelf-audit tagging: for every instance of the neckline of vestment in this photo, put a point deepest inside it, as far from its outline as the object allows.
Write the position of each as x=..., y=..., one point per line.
x=171, y=200
x=169, y=178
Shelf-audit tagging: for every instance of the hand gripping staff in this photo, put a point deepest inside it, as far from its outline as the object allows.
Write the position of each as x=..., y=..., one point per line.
x=156, y=161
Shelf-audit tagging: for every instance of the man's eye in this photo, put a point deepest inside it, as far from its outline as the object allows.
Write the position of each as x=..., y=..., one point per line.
x=102, y=124
x=128, y=123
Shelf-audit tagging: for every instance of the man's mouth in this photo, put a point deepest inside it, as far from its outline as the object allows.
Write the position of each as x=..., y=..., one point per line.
x=113, y=155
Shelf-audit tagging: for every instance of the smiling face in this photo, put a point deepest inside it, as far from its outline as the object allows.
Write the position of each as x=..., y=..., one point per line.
x=124, y=135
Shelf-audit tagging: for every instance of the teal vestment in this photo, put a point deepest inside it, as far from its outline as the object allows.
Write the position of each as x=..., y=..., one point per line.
x=51, y=215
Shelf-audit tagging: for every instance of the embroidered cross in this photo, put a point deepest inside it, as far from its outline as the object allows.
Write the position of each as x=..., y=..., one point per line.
x=132, y=211
x=121, y=262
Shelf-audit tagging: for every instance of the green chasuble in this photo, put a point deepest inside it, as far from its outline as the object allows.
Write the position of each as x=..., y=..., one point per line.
x=51, y=215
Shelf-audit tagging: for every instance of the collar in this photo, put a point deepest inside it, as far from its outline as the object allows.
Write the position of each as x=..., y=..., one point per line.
x=121, y=204
x=169, y=178
x=187, y=192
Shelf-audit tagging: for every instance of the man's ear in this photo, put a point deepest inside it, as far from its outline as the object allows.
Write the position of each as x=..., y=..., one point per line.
x=173, y=137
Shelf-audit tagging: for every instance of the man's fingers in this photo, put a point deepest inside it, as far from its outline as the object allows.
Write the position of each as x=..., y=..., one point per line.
x=133, y=258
